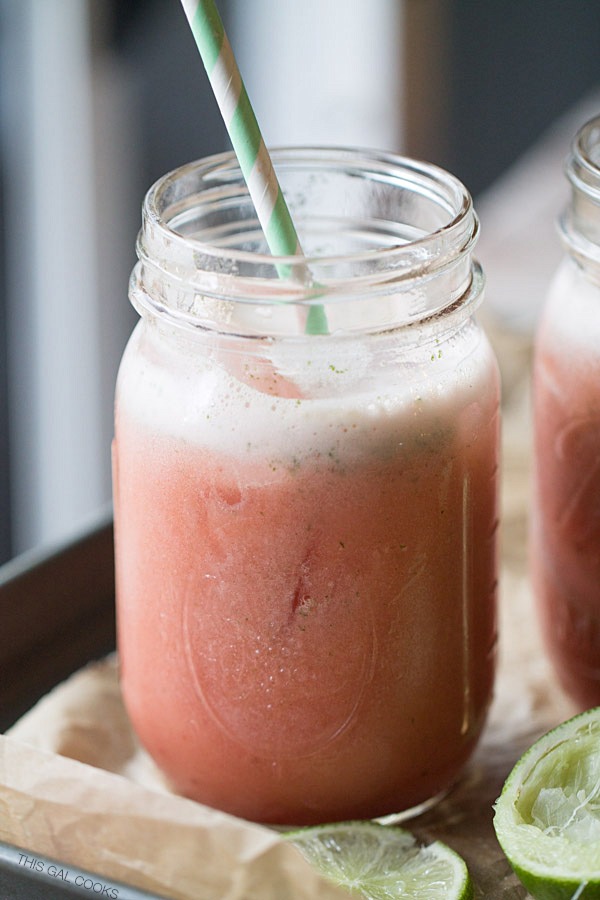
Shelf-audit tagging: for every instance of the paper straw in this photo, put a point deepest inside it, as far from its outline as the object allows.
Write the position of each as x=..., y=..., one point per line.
x=249, y=146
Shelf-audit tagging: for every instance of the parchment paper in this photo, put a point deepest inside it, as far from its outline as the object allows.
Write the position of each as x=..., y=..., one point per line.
x=108, y=824
x=106, y=807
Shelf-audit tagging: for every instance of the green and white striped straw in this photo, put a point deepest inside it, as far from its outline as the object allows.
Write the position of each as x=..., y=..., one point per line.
x=248, y=144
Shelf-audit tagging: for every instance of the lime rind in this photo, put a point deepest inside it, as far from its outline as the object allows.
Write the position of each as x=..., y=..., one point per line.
x=382, y=862
x=547, y=819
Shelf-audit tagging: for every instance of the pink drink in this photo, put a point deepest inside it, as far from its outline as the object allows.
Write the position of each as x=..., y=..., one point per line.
x=304, y=638
x=566, y=528
x=306, y=524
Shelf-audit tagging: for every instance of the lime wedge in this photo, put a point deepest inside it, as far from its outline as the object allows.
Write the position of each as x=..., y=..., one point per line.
x=382, y=862
x=547, y=818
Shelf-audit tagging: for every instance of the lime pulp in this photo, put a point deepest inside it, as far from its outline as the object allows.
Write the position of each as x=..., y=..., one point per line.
x=381, y=862
x=547, y=818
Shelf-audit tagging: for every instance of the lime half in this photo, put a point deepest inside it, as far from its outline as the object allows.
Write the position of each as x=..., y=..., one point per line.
x=547, y=818
x=383, y=862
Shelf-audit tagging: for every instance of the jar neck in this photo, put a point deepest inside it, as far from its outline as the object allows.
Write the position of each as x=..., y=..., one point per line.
x=580, y=224
x=388, y=245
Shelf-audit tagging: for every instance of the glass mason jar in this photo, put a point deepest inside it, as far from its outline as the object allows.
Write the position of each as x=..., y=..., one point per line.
x=565, y=533
x=306, y=523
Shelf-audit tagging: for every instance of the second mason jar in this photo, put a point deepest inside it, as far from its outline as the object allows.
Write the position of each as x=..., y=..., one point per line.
x=306, y=523
x=565, y=538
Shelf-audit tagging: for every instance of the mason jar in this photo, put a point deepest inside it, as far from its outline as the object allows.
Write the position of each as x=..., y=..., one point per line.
x=306, y=522
x=565, y=537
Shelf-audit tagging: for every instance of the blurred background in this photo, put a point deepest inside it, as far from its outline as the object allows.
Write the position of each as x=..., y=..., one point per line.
x=98, y=98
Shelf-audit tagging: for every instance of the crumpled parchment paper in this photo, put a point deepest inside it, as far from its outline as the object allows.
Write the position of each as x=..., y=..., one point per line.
x=84, y=816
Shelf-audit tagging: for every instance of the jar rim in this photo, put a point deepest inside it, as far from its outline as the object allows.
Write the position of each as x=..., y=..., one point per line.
x=579, y=225
x=583, y=161
x=431, y=179
x=416, y=221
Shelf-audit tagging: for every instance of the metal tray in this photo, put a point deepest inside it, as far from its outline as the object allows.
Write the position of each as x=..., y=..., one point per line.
x=25, y=876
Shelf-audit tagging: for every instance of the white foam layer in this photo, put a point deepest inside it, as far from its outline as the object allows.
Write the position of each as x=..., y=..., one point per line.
x=348, y=406
x=573, y=308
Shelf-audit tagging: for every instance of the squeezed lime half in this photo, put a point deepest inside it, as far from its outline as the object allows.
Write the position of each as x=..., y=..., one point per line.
x=547, y=818
x=382, y=862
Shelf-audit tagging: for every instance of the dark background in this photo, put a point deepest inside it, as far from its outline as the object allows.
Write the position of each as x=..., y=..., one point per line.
x=512, y=68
